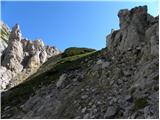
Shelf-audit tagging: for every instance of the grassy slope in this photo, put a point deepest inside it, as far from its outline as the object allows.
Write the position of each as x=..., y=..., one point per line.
x=76, y=51
x=22, y=92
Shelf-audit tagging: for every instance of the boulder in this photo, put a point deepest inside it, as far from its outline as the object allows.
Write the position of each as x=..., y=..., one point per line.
x=61, y=80
x=111, y=112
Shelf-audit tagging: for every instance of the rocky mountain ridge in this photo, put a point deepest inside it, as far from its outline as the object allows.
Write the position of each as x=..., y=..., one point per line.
x=19, y=55
x=119, y=81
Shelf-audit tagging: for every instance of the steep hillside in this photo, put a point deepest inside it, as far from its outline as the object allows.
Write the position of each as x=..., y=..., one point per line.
x=119, y=81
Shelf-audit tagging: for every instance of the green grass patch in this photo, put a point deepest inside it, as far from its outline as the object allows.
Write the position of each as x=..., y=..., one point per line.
x=140, y=103
x=156, y=77
x=72, y=51
x=75, y=57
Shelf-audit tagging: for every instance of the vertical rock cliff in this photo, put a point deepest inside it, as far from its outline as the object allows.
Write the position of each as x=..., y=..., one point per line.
x=4, y=36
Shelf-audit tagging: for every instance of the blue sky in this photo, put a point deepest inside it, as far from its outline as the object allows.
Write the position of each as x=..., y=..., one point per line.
x=67, y=24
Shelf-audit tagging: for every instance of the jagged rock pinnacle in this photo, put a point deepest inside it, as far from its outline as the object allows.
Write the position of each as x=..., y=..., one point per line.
x=13, y=54
x=15, y=33
x=21, y=54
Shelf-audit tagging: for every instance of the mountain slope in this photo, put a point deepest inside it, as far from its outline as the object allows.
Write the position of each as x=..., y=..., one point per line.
x=119, y=81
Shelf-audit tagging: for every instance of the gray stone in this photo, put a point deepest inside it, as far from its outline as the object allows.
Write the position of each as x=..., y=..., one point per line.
x=84, y=96
x=154, y=45
x=119, y=81
x=61, y=80
x=147, y=113
x=113, y=100
x=111, y=112
x=86, y=116
x=5, y=77
x=105, y=65
x=99, y=102
x=127, y=73
x=52, y=51
x=128, y=98
x=96, y=67
x=78, y=117
x=99, y=62
x=83, y=110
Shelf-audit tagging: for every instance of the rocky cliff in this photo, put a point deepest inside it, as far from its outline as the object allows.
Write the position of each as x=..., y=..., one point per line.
x=20, y=57
x=119, y=81
x=4, y=37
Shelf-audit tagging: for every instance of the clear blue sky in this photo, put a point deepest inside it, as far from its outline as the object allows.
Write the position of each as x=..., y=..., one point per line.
x=67, y=24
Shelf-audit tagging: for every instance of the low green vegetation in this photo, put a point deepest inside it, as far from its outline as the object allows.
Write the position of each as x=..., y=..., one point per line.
x=140, y=103
x=4, y=35
x=23, y=91
x=156, y=77
x=76, y=51
x=75, y=57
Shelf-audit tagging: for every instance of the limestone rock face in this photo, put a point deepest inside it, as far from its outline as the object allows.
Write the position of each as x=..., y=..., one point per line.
x=134, y=25
x=37, y=51
x=19, y=54
x=5, y=77
x=34, y=62
x=43, y=56
x=13, y=54
x=152, y=39
x=51, y=51
x=4, y=37
x=38, y=44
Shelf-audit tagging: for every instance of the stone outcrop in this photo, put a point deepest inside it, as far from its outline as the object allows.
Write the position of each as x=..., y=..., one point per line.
x=5, y=76
x=4, y=37
x=13, y=54
x=135, y=30
x=119, y=81
x=19, y=54
x=152, y=39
